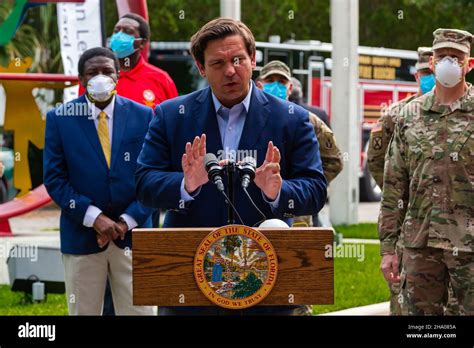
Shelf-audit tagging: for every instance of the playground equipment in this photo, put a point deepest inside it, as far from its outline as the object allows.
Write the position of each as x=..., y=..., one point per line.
x=23, y=117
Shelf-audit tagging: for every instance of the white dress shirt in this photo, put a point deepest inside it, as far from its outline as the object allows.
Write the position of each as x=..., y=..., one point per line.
x=92, y=211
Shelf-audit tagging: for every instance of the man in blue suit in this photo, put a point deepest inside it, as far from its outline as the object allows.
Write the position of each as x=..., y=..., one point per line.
x=91, y=147
x=230, y=117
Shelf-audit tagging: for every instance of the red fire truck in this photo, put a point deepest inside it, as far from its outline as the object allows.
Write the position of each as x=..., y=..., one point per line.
x=385, y=76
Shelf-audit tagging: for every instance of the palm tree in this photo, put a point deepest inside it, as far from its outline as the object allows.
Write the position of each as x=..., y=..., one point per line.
x=48, y=50
x=231, y=243
x=22, y=45
x=37, y=37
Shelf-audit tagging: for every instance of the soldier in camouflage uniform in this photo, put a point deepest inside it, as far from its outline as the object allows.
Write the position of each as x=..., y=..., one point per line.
x=380, y=137
x=428, y=194
x=275, y=78
x=381, y=134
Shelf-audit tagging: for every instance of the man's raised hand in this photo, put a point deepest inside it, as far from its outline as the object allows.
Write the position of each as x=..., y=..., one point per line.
x=195, y=174
x=267, y=176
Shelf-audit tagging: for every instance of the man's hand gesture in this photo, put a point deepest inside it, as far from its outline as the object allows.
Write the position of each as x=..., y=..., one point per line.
x=267, y=176
x=195, y=174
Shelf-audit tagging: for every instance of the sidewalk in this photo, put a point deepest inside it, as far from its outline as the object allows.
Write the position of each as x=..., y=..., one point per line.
x=368, y=212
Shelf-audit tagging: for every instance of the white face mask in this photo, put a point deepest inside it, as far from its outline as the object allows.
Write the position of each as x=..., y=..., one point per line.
x=101, y=88
x=448, y=72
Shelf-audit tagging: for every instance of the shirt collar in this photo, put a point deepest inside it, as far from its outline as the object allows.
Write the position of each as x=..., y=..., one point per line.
x=245, y=102
x=109, y=109
x=465, y=103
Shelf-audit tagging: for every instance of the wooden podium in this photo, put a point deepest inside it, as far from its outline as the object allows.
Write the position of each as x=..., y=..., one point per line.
x=163, y=266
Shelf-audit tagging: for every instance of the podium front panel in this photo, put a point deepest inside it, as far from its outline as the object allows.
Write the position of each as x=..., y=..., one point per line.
x=163, y=266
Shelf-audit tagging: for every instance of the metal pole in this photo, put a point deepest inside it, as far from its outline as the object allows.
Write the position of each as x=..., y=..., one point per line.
x=230, y=8
x=102, y=23
x=344, y=191
x=230, y=170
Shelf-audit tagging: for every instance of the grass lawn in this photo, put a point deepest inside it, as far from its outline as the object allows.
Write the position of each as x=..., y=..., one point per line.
x=363, y=231
x=11, y=304
x=357, y=283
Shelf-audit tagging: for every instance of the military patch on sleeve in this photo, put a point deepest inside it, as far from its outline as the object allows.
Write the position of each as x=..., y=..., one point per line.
x=377, y=142
x=328, y=144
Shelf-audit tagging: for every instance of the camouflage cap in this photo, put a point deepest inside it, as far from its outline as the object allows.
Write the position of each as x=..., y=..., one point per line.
x=424, y=54
x=275, y=67
x=452, y=38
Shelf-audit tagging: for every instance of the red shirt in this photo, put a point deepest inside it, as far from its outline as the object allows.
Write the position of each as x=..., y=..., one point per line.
x=146, y=84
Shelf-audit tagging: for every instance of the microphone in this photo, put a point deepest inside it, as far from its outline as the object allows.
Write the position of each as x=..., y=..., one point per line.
x=214, y=171
x=247, y=170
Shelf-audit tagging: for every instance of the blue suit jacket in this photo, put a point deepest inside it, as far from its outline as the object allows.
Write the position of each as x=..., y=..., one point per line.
x=179, y=120
x=76, y=172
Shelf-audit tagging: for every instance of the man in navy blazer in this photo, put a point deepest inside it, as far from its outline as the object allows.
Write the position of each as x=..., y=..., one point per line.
x=91, y=148
x=231, y=117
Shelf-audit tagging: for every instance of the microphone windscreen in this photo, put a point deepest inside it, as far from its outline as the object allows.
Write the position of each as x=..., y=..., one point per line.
x=209, y=158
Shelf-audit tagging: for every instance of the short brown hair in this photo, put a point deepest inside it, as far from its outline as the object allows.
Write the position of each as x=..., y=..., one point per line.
x=220, y=28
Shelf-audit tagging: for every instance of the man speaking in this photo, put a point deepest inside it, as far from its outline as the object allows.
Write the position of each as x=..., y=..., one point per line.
x=229, y=117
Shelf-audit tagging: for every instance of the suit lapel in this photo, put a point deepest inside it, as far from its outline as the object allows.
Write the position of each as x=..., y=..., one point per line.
x=205, y=120
x=90, y=131
x=119, y=125
x=255, y=121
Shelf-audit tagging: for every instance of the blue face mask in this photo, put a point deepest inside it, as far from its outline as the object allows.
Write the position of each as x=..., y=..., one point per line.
x=276, y=89
x=427, y=83
x=122, y=44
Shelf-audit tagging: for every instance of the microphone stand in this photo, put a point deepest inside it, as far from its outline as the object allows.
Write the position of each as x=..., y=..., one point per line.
x=230, y=169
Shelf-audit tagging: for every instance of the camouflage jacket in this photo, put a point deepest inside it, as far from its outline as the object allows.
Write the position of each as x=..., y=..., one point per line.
x=428, y=195
x=330, y=153
x=380, y=137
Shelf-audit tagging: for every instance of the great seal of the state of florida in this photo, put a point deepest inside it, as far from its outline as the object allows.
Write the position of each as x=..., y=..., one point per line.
x=235, y=266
